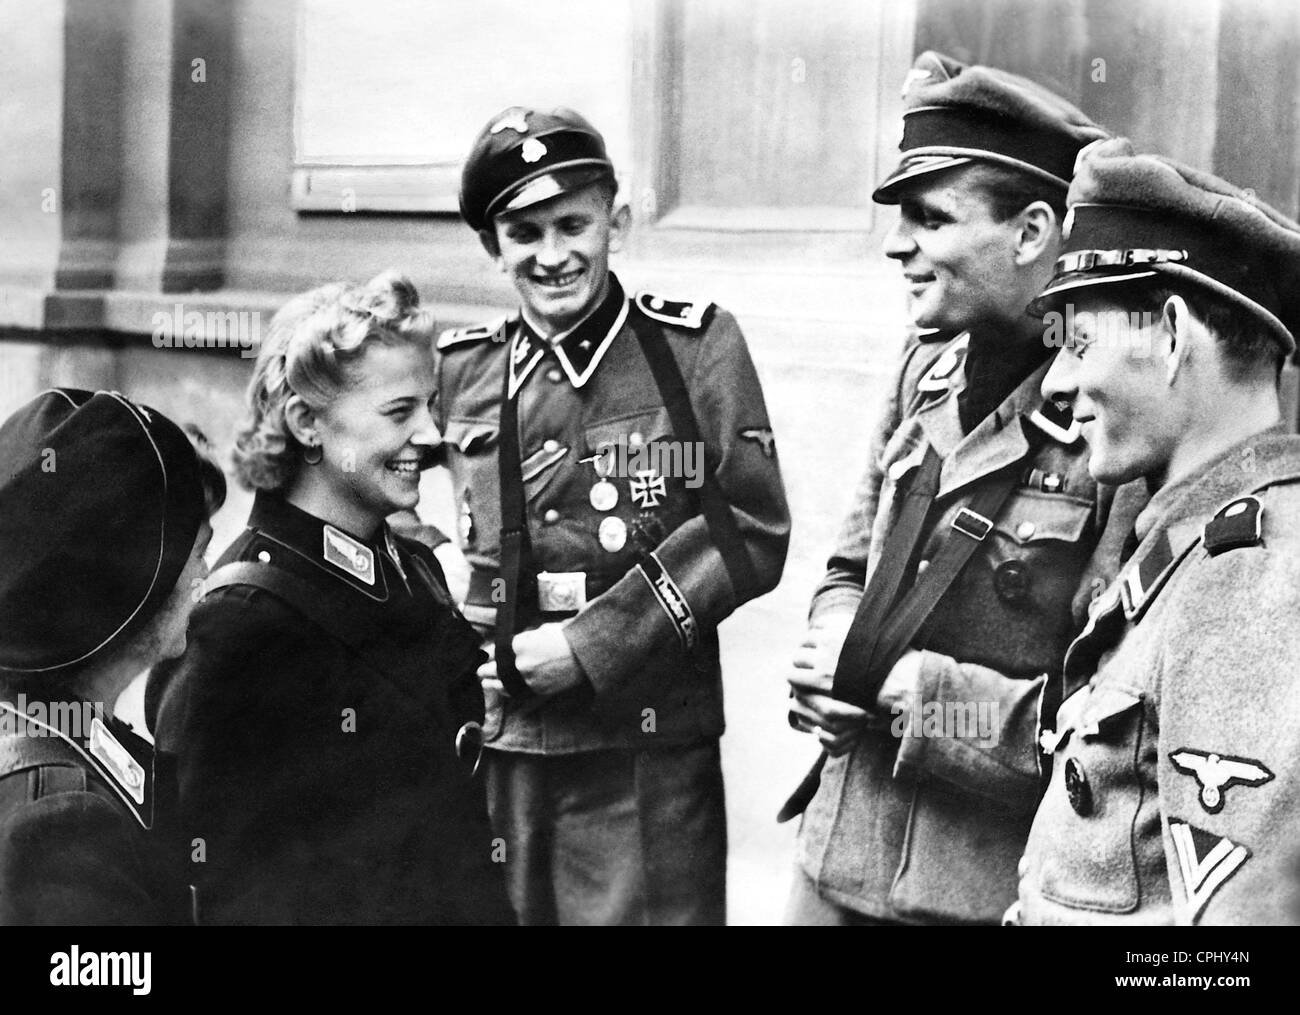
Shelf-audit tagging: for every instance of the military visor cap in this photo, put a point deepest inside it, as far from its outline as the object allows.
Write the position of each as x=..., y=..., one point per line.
x=1133, y=217
x=526, y=156
x=100, y=503
x=954, y=115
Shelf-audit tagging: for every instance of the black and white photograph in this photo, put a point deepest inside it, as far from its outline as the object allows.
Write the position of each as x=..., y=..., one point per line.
x=653, y=463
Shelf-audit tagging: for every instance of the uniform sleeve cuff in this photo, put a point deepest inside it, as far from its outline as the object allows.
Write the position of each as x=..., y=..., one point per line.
x=913, y=750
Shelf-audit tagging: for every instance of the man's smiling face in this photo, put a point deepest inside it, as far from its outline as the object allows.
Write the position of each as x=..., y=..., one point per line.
x=957, y=259
x=1111, y=372
x=557, y=253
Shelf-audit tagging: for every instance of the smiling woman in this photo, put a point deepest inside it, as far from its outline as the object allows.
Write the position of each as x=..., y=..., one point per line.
x=315, y=721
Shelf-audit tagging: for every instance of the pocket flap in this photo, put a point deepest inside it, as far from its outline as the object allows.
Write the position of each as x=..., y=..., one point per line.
x=1105, y=707
x=1030, y=516
x=649, y=425
x=469, y=435
x=541, y=460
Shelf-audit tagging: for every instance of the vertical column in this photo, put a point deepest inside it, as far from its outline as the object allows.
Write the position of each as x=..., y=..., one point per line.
x=175, y=116
x=91, y=157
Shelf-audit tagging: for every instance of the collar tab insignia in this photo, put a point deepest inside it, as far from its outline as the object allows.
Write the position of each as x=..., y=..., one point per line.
x=940, y=375
x=349, y=556
x=117, y=760
x=1057, y=421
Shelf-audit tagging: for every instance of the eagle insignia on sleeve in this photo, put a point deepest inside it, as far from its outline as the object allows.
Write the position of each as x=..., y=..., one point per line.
x=762, y=436
x=1215, y=773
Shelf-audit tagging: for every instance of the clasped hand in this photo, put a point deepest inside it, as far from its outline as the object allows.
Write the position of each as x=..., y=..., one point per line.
x=837, y=724
x=543, y=658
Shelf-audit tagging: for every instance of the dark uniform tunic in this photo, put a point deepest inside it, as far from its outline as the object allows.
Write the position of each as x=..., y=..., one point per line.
x=1175, y=794
x=929, y=828
x=597, y=391
x=314, y=751
x=76, y=806
x=610, y=795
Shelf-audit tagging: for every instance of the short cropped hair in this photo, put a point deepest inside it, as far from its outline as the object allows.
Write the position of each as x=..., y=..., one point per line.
x=1010, y=191
x=1247, y=342
x=311, y=350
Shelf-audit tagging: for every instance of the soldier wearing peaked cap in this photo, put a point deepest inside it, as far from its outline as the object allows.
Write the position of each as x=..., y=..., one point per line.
x=975, y=537
x=1175, y=793
x=619, y=495
x=103, y=531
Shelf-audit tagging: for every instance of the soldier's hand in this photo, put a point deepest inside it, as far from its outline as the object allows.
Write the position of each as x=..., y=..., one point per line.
x=836, y=724
x=543, y=658
x=815, y=658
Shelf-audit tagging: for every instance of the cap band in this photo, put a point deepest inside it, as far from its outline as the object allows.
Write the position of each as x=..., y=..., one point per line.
x=1087, y=260
x=980, y=131
x=1100, y=234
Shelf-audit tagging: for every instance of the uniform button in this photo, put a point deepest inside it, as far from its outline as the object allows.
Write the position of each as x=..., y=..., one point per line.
x=551, y=445
x=921, y=566
x=554, y=375
x=264, y=557
x=551, y=517
x=1011, y=581
x=1024, y=530
x=1077, y=788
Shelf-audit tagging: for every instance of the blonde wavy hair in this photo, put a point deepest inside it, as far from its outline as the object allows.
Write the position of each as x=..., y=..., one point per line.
x=312, y=349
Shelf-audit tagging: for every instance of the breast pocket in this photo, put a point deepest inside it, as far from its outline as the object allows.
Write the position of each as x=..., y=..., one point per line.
x=1092, y=808
x=645, y=428
x=1012, y=606
x=1037, y=550
x=641, y=484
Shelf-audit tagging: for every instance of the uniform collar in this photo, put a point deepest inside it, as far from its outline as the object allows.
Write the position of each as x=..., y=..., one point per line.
x=1170, y=526
x=352, y=560
x=998, y=440
x=113, y=751
x=1246, y=466
x=579, y=351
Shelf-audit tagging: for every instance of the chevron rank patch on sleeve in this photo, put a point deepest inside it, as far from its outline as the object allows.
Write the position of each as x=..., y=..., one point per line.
x=691, y=316
x=1236, y=525
x=1205, y=862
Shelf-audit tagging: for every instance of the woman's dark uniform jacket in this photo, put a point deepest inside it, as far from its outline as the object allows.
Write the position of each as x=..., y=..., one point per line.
x=74, y=817
x=314, y=760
